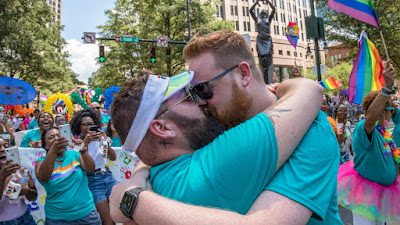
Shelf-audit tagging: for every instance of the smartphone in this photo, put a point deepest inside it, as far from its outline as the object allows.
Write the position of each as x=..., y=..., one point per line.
x=65, y=131
x=13, y=154
x=94, y=128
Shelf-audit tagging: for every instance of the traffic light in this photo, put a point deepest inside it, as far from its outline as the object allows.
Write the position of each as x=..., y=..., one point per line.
x=101, y=56
x=153, y=55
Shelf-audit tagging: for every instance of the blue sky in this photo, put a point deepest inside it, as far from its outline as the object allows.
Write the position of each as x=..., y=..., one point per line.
x=78, y=17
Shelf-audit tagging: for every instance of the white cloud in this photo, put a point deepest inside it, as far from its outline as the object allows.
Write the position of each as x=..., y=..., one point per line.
x=82, y=58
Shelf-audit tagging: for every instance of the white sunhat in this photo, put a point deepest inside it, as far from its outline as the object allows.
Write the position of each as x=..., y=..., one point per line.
x=157, y=90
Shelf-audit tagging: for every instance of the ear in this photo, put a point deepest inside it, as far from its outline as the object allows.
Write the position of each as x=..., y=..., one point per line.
x=245, y=73
x=162, y=129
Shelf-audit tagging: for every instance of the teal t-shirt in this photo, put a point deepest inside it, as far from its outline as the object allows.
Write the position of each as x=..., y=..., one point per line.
x=228, y=173
x=309, y=177
x=369, y=160
x=68, y=195
x=396, y=129
x=33, y=124
x=31, y=136
x=116, y=142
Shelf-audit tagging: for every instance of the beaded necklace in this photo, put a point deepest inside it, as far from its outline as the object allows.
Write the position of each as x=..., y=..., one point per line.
x=389, y=147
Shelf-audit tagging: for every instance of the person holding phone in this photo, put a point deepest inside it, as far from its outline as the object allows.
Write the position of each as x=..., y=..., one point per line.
x=85, y=125
x=343, y=126
x=62, y=174
x=16, y=212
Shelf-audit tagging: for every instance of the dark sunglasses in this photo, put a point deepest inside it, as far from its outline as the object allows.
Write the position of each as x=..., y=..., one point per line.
x=203, y=90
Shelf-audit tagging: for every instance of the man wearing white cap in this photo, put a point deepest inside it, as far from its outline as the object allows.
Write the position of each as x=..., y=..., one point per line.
x=228, y=173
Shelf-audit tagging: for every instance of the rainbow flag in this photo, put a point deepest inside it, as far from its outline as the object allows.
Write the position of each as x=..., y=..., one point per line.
x=330, y=83
x=367, y=72
x=362, y=10
x=292, y=33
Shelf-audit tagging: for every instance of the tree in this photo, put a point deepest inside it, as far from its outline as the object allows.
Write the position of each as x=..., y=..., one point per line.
x=345, y=29
x=147, y=19
x=31, y=46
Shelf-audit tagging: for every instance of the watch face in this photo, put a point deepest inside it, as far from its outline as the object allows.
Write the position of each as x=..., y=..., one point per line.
x=127, y=202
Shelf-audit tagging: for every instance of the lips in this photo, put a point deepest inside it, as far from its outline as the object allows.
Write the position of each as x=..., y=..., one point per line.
x=3, y=157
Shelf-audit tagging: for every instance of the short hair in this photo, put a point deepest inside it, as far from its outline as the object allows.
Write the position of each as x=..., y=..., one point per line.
x=77, y=119
x=36, y=111
x=228, y=47
x=43, y=137
x=368, y=99
x=126, y=103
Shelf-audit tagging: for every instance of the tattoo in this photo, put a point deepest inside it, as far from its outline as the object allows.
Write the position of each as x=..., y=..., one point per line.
x=274, y=111
x=165, y=143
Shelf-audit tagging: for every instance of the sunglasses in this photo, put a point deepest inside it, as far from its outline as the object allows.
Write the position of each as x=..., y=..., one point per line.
x=188, y=96
x=203, y=90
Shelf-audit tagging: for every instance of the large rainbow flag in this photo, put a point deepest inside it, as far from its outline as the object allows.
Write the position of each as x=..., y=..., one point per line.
x=362, y=10
x=367, y=72
x=330, y=83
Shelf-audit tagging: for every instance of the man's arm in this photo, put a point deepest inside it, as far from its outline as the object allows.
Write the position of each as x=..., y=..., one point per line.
x=299, y=101
x=155, y=209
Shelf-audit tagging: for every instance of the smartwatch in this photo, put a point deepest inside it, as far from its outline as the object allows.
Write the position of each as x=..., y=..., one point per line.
x=129, y=201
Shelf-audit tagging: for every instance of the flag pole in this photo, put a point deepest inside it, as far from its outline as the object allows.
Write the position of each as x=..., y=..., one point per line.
x=384, y=45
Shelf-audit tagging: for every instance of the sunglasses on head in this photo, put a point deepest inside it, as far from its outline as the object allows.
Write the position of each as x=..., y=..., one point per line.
x=203, y=89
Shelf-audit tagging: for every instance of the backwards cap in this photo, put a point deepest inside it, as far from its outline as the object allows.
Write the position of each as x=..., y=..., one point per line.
x=157, y=90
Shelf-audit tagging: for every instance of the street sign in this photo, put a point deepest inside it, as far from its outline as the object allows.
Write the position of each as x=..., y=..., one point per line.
x=89, y=38
x=129, y=39
x=322, y=67
x=162, y=41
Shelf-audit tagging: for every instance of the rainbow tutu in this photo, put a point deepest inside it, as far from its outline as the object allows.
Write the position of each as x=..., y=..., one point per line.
x=373, y=201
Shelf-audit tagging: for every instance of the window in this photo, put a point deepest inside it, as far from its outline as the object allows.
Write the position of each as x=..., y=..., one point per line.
x=283, y=31
x=277, y=30
x=288, y=53
x=217, y=10
x=280, y=52
x=301, y=55
x=58, y=17
x=244, y=9
x=295, y=54
x=236, y=10
x=248, y=26
x=244, y=26
x=237, y=25
x=247, y=11
x=232, y=10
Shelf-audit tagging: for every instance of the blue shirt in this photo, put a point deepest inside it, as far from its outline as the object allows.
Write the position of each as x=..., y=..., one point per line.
x=229, y=173
x=309, y=177
x=68, y=195
x=33, y=124
x=396, y=129
x=369, y=160
x=31, y=136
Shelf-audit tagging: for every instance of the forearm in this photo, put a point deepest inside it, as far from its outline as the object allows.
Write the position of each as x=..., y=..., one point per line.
x=111, y=153
x=2, y=184
x=87, y=161
x=374, y=112
x=46, y=168
x=154, y=209
x=292, y=115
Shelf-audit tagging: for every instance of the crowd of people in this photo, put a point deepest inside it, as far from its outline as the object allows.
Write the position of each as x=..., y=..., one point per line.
x=223, y=148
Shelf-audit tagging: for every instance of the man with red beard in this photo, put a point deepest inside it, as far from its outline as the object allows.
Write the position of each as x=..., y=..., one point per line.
x=211, y=176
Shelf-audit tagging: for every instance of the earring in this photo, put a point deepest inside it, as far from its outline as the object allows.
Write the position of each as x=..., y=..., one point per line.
x=173, y=133
x=245, y=82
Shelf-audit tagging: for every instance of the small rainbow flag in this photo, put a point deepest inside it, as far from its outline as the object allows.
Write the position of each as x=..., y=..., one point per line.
x=292, y=33
x=367, y=72
x=362, y=10
x=330, y=83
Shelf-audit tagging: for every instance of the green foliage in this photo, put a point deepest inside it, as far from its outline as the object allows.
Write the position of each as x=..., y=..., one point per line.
x=148, y=19
x=339, y=72
x=31, y=46
x=345, y=29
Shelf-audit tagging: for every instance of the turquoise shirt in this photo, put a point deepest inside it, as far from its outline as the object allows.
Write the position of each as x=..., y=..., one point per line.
x=228, y=173
x=33, y=124
x=116, y=142
x=68, y=195
x=309, y=177
x=31, y=136
x=396, y=129
x=369, y=160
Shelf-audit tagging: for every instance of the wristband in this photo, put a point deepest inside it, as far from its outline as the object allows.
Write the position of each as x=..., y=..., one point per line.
x=384, y=91
x=83, y=150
